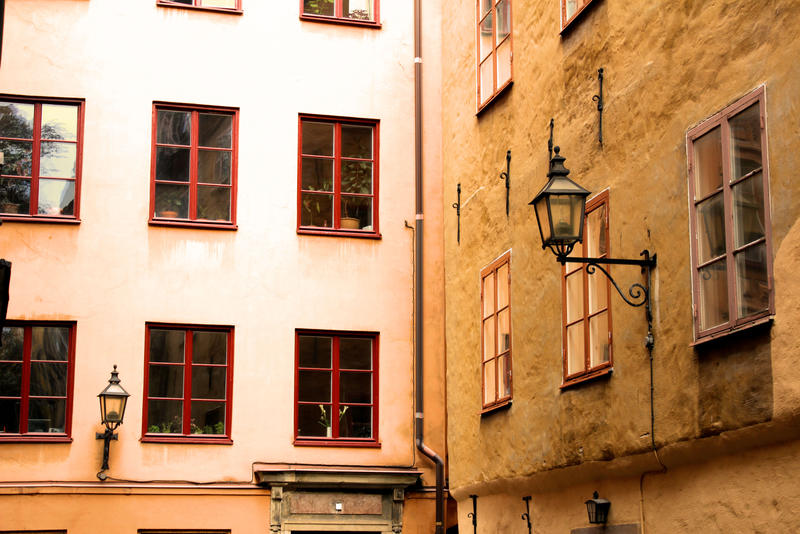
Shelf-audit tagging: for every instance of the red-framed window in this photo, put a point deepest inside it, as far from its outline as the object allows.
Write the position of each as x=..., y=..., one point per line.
x=233, y=6
x=194, y=165
x=37, y=366
x=586, y=314
x=571, y=9
x=496, y=333
x=730, y=219
x=41, y=152
x=494, y=50
x=358, y=12
x=188, y=383
x=337, y=176
x=336, y=388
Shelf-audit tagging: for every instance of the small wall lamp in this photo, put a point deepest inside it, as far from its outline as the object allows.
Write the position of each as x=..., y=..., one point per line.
x=112, y=411
x=597, y=509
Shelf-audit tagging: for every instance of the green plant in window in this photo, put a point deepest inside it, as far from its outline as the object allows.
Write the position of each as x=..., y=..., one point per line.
x=219, y=428
x=318, y=7
x=360, y=14
x=324, y=420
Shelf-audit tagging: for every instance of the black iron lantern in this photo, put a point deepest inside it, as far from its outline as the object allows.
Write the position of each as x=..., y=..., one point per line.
x=560, y=207
x=112, y=410
x=597, y=509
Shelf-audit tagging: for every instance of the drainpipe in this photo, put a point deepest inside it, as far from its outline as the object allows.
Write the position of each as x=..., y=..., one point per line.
x=419, y=417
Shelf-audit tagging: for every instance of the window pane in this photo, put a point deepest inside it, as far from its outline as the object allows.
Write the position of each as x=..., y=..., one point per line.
x=575, y=348
x=488, y=295
x=11, y=348
x=317, y=138
x=56, y=197
x=317, y=174
x=598, y=339
x=17, y=157
x=748, y=210
x=486, y=37
x=318, y=7
x=355, y=422
x=16, y=120
x=575, y=296
x=357, y=211
x=502, y=286
x=745, y=142
x=49, y=343
x=488, y=339
x=10, y=379
x=314, y=420
x=214, y=203
x=315, y=351
x=503, y=11
x=48, y=379
x=166, y=381
x=357, y=177
x=504, y=331
x=172, y=201
x=207, y=418
x=571, y=8
x=713, y=295
x=47, y=415
x=174, y=127
x=166, y=346
x=317, y=210
x=598, y=292
x=504, y=63
x=356, y=141
x=711, y=228
x=752, y=285
x=59, y=122
x=487, y=79
x=355, y=353
x=172, y=164
x=214, y=166
x=355, y=387
x=210, y=347
x=9, y=415
x=489, y=382
x=504, y=366
x=486, y=5
x=214, y=130
x=708, y=163
x=15, y=195
x=208, y=382
x=595, y=232
x=314, y=386
x=357, y=9
x=164, y=417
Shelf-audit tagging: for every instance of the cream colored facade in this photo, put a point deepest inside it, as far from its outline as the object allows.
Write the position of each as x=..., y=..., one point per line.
x=727, y=448
x=113, y=273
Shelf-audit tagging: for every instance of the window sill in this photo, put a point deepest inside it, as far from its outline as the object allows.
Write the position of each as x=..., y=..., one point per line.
x=578, y=15
x=36, y=438
x=192, y=224
x=339, y=233
x=5, y=217
x=500, y=92
x=494, y=408
x=346, y=22
x=732, y=331
x=324, y=442
x=580, y=379
x=230, y=11
x=187, y=440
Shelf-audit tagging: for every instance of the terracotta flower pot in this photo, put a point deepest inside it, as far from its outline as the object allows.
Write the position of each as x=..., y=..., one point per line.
x=350, y=223
x=169, y=214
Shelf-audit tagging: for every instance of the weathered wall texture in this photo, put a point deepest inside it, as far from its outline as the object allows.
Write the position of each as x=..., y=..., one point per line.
x=668, y=66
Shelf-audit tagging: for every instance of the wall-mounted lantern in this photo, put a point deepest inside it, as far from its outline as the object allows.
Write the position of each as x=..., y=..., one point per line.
x=112, y=411
x=597, y=509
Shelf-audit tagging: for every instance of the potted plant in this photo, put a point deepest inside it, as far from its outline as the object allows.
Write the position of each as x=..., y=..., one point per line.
x=359, y=180
x=13, y=193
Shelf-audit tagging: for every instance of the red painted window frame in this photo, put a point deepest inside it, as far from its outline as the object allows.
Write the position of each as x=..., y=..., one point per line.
x=66, y=436
x=721, y=119
x=496, y=91
x=37, y=101
x=188, y=437
x=499, y=402
x=588, y=372
x=190, y=222
x=336, y=230
x=566, y=22
x=339, y=18
x=374, y=441
x=197, y=4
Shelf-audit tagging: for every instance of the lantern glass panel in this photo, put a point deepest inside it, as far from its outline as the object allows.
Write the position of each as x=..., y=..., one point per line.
x=543, y=218
x=114, y=409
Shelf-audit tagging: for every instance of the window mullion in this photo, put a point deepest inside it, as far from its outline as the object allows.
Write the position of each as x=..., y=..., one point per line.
x=587, y=360
x=335, y=387
x=727, y=193
x=24, y=393
x=35, y=157
x=187, y=381
x=337, y=175
x=193, y=163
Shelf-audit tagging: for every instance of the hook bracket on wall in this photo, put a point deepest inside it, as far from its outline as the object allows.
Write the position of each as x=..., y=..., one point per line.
x=474, y=513
x=599, y=99
x=457, y=206
x=526, y=516
x=506, y=175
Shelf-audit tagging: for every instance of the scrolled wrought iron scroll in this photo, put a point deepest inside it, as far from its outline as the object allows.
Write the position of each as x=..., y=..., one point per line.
x=637, y=291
